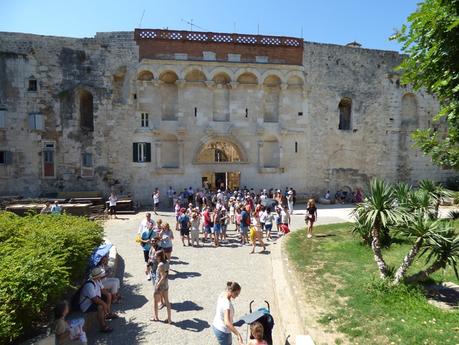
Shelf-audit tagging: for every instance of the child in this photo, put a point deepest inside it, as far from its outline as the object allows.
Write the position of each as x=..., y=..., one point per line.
x=256, y=329
x=65, y=334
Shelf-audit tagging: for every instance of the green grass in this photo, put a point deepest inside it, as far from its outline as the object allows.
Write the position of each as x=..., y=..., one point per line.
x=340, y=273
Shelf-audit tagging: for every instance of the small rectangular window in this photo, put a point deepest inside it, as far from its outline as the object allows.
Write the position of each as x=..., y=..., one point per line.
x=246, y=112
x=195, y=112
x=36, y=121
x=300, y=113
x=141, y=152
x=2, y=118
x=6, y=157
x=32, y=85
x=87, y=160
x=144, y=120
x=296, y=147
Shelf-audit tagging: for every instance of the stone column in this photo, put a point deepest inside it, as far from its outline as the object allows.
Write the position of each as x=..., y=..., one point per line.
x=282, y=101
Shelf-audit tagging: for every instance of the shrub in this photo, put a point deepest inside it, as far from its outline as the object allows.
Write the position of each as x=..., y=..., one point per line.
x=40, y=257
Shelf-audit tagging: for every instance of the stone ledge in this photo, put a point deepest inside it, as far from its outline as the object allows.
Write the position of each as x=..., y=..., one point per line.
x=289, y=320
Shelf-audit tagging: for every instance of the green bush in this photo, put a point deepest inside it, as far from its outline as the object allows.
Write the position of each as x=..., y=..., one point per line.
x=40, y=257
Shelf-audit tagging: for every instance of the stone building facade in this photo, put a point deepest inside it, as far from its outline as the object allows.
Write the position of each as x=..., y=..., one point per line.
x=153, y=108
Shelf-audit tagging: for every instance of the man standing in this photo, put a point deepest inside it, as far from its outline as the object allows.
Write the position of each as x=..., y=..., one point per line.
x=245, y=222
x=184, y=225
x=146, y=235
x=290, y=201
x=156, y=200
x=112, y=199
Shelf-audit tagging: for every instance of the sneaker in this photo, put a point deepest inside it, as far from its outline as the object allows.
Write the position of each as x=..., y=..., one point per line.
x=148, y=277
x=309, y=236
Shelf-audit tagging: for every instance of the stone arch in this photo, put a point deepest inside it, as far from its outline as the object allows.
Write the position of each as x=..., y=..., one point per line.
x=248, y=76
x=269, y=74
x=119, y=78
x=230, y=148
x=145, y=75
x=295, y=75
x=86, y=110
x=409, y=110
x=345, y=113
x=295, y=81
x=221, y=78
x=221, y=70
x=168, y=76
x=270, y=153
x=195, y=75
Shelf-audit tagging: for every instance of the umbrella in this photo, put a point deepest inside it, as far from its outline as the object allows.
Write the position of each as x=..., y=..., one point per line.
x=99, y=253
x=271, y=203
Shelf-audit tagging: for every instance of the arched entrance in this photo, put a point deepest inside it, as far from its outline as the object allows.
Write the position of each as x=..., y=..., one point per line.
x=220, y=159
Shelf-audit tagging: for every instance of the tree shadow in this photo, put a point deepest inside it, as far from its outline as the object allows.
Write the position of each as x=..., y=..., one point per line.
x=124, y=332
x=193, y=325
x=186, y=306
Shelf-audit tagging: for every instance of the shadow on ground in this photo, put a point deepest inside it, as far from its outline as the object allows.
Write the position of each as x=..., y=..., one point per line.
x=192, y=325
x=186, y=306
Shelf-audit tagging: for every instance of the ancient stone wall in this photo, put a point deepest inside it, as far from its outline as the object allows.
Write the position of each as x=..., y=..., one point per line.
x=111, y=121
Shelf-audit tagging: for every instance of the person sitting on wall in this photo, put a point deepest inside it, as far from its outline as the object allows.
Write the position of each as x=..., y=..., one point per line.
x=327, y=195
x=56, y=208
x=46, y=209
x=92, y=300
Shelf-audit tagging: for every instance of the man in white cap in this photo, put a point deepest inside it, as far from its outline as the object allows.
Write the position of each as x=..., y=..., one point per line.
x=93, y=300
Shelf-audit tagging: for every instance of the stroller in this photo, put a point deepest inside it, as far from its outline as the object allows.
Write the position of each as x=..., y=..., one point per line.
x=263, y=316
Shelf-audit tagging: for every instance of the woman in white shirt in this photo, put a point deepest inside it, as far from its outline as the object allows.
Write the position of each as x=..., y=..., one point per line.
x=223, y=320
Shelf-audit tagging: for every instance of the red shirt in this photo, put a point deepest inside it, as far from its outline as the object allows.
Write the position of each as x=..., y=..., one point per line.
x=206, y=216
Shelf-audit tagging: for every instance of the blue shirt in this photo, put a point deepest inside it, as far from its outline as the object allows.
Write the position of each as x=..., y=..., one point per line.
x=147, y=235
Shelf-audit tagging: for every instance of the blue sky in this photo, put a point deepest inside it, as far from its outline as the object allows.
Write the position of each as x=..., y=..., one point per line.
x=369, y=22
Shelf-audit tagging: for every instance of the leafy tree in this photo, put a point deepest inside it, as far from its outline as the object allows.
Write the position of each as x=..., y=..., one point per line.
x=431, y=40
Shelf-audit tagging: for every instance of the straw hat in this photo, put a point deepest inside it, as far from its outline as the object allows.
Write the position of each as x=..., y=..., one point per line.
x=97, y=272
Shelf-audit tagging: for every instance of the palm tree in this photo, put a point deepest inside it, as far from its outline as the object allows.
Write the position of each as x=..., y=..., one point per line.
x=379, y=210
x=417, y=227
x=436, y=191
x=402, y=192
x=421, y=201
x=443, y=250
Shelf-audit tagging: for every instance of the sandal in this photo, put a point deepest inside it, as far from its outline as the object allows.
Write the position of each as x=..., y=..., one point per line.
x=111, y=316
x=107, y=329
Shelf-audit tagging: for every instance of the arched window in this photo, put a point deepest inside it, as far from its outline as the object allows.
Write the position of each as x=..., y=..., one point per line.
x=145, y=76
x=219, y=152
x=169, y=96
x=271, y=98
x=345, y=113
x=221, y=99
x=86, y=111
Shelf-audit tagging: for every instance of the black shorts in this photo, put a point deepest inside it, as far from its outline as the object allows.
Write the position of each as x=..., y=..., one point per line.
x=146, y=255
x=112, y=209
x=184, y=232
x=157, y=205
x=93, y=307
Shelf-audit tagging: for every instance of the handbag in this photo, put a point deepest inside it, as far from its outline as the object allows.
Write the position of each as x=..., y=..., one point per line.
x=138, y=238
